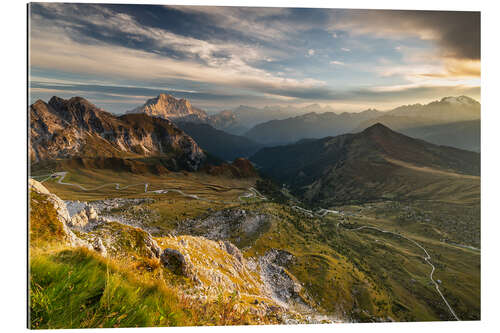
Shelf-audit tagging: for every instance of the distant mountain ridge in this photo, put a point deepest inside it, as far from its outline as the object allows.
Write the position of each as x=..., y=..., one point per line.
x=446, y=110
x=77, y=128
x=180, y=110
x=374, y=164
x=310, y=125
x=414, y=120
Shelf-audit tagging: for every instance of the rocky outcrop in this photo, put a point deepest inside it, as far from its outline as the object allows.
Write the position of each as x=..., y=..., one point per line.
x=232, y=250
x=76, y=128
x=285, y=288
x=83, y=216
x=99, y=247
x=225, y=224
x=104, y=235
x=212, y=266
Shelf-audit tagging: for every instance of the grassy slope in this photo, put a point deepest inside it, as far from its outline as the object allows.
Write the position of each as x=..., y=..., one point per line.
x=383, y=274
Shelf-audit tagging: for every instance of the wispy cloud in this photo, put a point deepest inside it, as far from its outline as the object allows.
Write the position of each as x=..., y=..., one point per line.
x=336, y=62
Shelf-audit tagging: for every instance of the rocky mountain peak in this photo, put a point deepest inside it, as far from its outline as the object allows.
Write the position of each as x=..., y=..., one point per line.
x=464, y=100
x=168, y=107
x=377, y=128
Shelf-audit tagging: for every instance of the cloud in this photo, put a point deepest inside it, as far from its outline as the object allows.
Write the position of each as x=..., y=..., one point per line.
x=456, y=33
x=61, y=46
x=101, y=23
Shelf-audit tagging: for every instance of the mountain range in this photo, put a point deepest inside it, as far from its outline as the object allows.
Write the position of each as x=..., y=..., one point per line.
x=320, y=229
x=374, y=164
x=247, y=117
x=77, y=128
x=453, y=121
x=310, y=125
x=236, y=121
x=419, y=121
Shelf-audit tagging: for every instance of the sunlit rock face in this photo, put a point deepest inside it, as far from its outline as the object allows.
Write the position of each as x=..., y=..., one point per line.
x=169, y=107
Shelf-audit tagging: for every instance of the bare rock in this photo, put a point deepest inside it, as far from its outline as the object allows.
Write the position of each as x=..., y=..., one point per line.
x=99, y=247
x=233, y=250
x=152, y=246
x=177, y=262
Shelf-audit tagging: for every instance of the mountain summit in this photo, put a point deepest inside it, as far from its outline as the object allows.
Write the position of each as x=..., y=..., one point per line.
x=168, y=107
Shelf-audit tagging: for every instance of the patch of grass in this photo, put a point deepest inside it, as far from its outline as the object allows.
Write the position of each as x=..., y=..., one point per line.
x=44, y=228
x=76, y=288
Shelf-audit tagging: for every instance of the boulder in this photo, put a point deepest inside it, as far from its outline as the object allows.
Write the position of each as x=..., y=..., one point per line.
x=99, y=247
x=177, y=262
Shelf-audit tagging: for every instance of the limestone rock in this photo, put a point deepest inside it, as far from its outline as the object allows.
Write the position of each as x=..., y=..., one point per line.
x=177, y=262
x=233, y=250
x=99, y=247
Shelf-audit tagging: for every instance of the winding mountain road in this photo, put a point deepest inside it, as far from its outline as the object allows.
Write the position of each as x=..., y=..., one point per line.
x=323, y=212
x=62, y=174
x=427, y=258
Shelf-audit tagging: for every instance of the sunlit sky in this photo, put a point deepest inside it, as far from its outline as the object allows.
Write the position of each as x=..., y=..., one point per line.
x=117, y=56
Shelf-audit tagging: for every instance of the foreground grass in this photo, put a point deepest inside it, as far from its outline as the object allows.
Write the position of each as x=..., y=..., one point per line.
x=76, y=288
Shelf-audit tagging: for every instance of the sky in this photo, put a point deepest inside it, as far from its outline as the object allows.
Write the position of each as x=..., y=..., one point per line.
x=118, y=56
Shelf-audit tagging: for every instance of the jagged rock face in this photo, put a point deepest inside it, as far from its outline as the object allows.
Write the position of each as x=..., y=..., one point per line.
x=284, y=286
x=83, y=216
x=168, y=107
x=77, y=128
x=180, y=110
x=212, y=266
